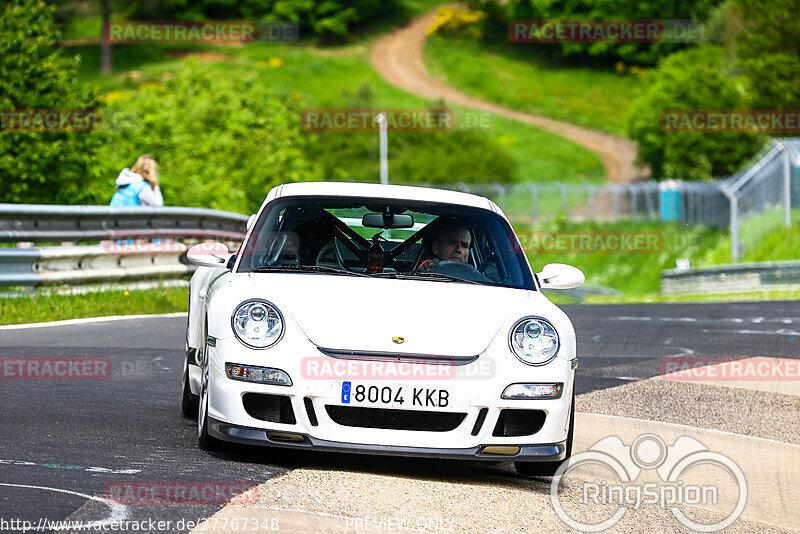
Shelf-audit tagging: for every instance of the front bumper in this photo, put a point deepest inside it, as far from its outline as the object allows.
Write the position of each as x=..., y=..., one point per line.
x=259, y=436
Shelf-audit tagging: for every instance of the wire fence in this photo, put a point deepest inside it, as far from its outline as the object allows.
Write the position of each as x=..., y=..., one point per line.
x=750, y=203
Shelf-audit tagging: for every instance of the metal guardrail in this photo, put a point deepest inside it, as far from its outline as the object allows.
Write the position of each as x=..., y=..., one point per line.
x=50, y=223
x=122, y=243
x=733, y=278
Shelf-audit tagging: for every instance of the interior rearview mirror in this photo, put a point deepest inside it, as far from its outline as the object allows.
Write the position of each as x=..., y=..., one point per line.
x=560, y=276
x=209, y=254
x=387, y=220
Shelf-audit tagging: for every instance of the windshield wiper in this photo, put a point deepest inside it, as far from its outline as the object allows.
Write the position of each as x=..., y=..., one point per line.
x=427, y=274
x=305, y=268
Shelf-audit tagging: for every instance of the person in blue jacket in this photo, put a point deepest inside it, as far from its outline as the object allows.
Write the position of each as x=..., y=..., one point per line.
x=138, y=186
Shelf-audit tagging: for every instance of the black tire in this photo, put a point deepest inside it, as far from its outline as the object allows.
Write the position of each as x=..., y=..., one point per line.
x=548, y=469
x=205, y=441
x=189, y=402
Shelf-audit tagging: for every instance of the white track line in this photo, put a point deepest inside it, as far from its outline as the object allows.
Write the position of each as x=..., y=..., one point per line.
x=119, y=512
x=85, y=320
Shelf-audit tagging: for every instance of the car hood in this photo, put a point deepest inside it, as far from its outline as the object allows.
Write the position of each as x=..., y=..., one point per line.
x=365, y=314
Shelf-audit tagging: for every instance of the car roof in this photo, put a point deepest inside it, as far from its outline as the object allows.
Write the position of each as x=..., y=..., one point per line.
x=399, y=192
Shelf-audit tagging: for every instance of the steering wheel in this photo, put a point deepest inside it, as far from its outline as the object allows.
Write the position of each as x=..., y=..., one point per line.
x=461, y=269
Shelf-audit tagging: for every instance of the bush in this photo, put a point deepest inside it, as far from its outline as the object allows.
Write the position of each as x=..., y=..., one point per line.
x=634, y=53
x=221, y=142
x=769, y=52
x=331, y=20
x=687, y=80
x=414, y=157
x=451, y=21
x=40, y=167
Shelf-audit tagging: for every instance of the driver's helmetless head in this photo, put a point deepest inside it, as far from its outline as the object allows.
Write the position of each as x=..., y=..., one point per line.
x=452, y=244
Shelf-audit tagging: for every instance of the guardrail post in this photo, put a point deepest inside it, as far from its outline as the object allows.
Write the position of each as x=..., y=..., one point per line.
x=534, y=201
x=648, y=199
x=632, y=193
x=501, y=195
x=787, y=186
x=734, y=222
x=563, y=190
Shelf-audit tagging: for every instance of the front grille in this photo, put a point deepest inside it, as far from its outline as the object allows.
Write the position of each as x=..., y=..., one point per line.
x=272, y=408
x=395, y=419
x=519, y=422
x=433, y=359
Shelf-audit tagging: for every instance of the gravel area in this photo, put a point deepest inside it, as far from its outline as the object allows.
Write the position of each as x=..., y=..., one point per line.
x=454, y=500
x=397, y=494
x=753, y=413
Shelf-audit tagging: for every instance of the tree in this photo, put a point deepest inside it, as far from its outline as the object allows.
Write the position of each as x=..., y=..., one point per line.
x=769, y=52
x=105, y=38
x=220, y=142
x=692, y=79
x=49, y=166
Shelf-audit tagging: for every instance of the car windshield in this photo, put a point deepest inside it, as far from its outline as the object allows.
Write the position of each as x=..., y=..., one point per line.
x=386, y=238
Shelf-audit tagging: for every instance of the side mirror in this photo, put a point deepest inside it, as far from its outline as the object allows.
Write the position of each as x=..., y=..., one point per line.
x=560, y=276
x=251, y=221
x=209, y=254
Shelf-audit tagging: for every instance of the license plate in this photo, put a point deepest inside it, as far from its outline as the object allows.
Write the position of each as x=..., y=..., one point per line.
x=394, y=396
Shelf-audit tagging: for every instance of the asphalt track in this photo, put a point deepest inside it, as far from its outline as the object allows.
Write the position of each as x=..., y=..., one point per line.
x=80, y=435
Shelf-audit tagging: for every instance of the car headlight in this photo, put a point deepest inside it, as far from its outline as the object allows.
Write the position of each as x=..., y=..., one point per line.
x=534, y=341
x=257, y=324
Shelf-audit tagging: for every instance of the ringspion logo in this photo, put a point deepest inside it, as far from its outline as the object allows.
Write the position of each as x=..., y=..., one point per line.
x=614, y=476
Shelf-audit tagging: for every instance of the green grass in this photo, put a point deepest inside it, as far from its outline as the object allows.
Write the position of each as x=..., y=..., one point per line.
x=52, y=307
x=334, y=77
x=516, y=76
x=636, y=273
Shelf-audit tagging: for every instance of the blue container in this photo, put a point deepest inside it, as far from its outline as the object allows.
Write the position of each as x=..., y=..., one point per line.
x=670, y=203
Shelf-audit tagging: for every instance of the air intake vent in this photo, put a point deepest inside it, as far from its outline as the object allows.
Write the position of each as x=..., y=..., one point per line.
x=395, y=419
x=312, y=415
x=271, y=408
x=519, y=422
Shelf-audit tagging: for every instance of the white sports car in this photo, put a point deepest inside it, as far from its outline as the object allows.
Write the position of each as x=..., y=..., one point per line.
x=381, y=319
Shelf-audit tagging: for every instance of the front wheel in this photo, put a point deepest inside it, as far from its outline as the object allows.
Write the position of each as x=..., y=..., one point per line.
x=189, y=402
x=548, y=469
x=205, y=441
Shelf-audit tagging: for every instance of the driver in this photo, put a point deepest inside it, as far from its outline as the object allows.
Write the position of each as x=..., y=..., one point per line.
x=451, y=243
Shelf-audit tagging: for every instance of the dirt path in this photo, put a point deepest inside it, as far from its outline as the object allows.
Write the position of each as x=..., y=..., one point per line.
x=398, y=57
